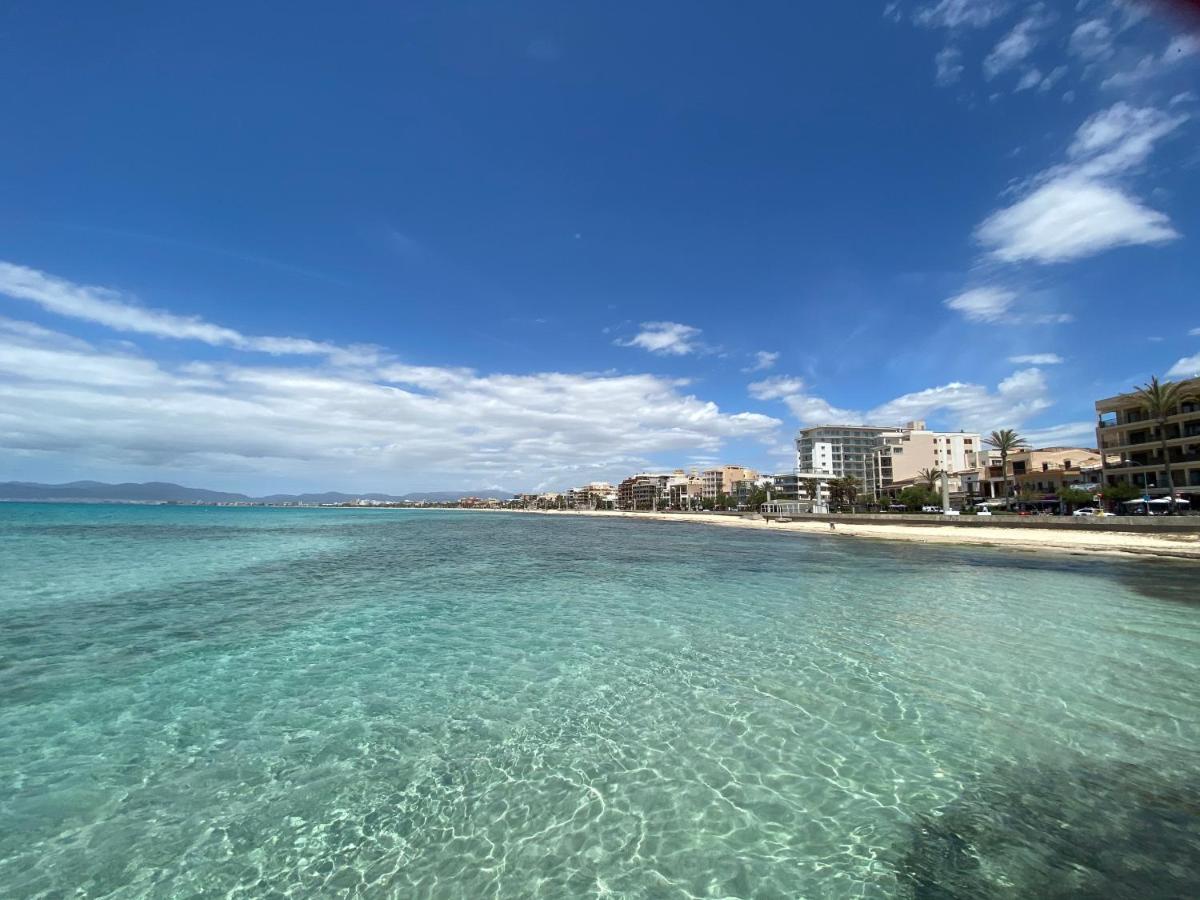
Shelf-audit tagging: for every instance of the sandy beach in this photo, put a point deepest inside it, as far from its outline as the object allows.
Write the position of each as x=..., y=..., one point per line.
x=1174, y=546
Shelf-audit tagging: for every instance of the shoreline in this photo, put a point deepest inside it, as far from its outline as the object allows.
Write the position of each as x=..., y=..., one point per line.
x=1078, y=543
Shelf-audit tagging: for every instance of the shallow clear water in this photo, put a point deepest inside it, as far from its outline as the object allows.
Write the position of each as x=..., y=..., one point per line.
x=256, y=703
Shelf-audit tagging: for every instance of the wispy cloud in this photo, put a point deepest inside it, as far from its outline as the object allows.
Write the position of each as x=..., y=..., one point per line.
x=666, y=338
x=114, y=310
x=775, y=387
x=763, y=360
x=960, y=13
x=1180, y=48
x=1079, y=208
x=982, y=304
x=948, y=66
x=1037, y=359
x=1014, y=47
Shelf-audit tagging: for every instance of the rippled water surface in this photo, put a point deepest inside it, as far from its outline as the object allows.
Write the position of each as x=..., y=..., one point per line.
x=202, y=702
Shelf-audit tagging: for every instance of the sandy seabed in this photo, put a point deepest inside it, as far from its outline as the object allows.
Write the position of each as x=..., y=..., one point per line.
x=1123, y=543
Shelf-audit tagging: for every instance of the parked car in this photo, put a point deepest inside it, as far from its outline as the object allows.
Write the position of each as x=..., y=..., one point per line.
x=1084, y=511
x=931, y=509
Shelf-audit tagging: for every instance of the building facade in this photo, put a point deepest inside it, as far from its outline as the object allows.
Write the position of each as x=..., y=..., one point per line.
x=901, y=455
x=839, y=451
x=685, y=491
x=721, y=480
x=1132, y=445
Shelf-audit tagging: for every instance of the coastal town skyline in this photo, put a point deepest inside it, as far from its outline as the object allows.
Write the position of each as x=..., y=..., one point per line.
x=510, y=264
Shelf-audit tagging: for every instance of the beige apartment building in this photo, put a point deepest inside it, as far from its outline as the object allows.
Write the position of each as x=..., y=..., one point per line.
x=590, y=495
x=1132, y=445
x=900, y=456
x=722, y=480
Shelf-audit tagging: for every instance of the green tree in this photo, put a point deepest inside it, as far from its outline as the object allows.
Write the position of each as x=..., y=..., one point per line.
x=757, y=499
x=916, y=496
x=1160, y=400
x=842, y=491
x=1074, y=497
x=1006, y=441
x=1118, y=493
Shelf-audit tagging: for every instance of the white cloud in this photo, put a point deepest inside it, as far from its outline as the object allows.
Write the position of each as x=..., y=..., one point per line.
x=949, y=66
x=972, y=406
x=763, y=360
x=1016, y=399
x=1091, y=40
x=114, y=310
x=775, y=387
x=1195, y=332
x=1031, y=79
x=983, y=304
x=1085, y=204
x=1077, y=209
x=666, y=338
x=809, y=410
x=1071, y=218
x=1056, y=75
x=1037, y=359
x=1119, y=138
x=960, y=13
x=61, y=396
x=1013, y=47
x=1188, y=367
x=319, y=420
x=1179, y=49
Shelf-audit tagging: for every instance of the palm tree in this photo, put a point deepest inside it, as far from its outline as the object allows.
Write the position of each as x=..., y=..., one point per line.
x=1006, y=441
x=931, y=477
x=1159, y=400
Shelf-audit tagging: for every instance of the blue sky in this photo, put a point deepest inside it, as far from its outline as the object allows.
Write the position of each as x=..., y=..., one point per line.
x=428, y=245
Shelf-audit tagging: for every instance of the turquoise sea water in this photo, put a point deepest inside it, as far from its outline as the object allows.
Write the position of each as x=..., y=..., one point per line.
x=203, y=702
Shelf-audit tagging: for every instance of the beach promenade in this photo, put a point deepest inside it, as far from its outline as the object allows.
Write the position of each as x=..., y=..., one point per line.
x=1067, y=537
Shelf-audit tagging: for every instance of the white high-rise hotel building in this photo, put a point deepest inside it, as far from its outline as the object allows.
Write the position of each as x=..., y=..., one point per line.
x=838, y=451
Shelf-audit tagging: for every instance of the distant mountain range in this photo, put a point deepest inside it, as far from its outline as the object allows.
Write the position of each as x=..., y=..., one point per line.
x=160, y=491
